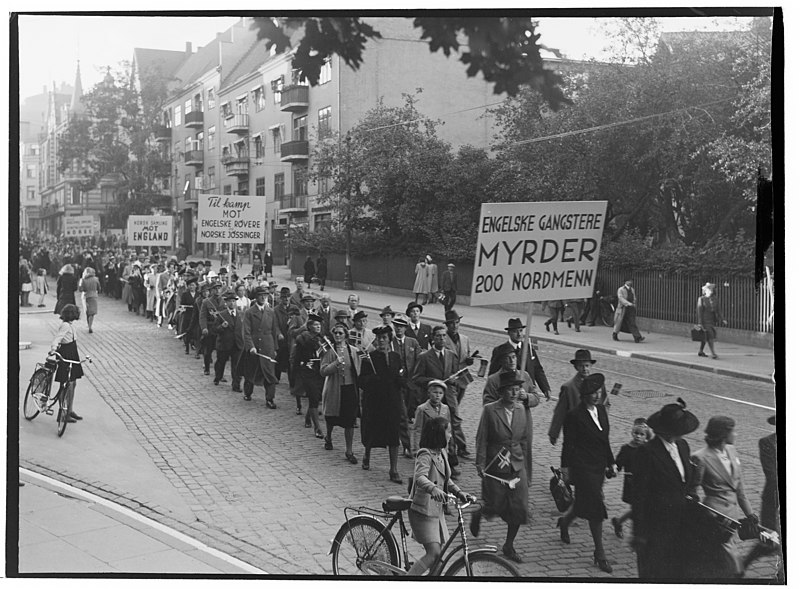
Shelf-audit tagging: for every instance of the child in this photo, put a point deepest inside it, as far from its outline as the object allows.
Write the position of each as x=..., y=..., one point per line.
x=431, y=484
x=429, y=410
x=66, y=344
x=641, y=434
x=40, y=285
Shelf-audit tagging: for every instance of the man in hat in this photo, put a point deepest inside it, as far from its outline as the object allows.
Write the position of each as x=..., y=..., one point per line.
x=626, y=312
x=272, y=295
x=352, y=307
x=421, y=332
x=449, y=286
x=386, y=316
x=208, y=315
x=307, y=306
x=358, y=336
x=662, y=482
x=261, y=334
x=297, y=296
x=162, y=292
x=458, y=344
x=508, y=363
x=409, y=351
x=516, y=332
x=569, y=396
x=282, y=311
x=229, y=333
x=324, y=310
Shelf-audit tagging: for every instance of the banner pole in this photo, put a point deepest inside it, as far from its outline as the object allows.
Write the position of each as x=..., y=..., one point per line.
x=525, y=342
x=230, y=264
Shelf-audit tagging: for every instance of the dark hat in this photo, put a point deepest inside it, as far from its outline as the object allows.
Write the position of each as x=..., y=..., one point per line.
x=506, y=349
x=451, y=317
x=260, y=290
x=191, y=280
x=592, y=383
x=308, y=297
x=285, y=291
x=771, y=420
x=514, y=323
x=341, y=315
x=360, y=315
x=249, y=277
x=229, y=296
x=314, y=317
x=673, y=419
x=206, y=286
x=223, y=270
x=411, y=305
x=207, y=263
x=387, y=311
x=508, y=379
x=273, y=283
x=192, y=264
x=582, y=356
x=382, y=329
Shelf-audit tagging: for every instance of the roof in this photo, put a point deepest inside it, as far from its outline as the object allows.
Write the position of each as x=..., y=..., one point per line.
x=163, y=61
x=249, y=63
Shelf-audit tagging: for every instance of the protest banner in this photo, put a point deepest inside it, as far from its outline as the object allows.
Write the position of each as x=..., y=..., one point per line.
x=231, y=219
x=80, y=226
x=149, y=230
x=537, y=251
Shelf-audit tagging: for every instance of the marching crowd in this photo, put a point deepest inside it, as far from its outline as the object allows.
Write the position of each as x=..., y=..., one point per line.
x=401, y=385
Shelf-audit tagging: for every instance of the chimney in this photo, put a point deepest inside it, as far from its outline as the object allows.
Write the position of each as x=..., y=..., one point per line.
x=188, y=47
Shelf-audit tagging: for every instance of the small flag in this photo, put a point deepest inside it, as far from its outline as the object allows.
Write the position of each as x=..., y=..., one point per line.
x=463, y=376
x=504, y=458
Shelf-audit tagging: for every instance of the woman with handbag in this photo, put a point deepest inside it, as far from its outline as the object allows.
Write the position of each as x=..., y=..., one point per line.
x=708, y=317
x=718, y=471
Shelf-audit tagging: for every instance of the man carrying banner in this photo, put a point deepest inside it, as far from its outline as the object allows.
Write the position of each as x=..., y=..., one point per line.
x=516, y=331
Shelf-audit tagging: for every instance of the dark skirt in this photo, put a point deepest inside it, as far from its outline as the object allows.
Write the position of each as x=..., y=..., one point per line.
x=588, y=493
x=69, y=352
x=66, y=298
x=308, y=383
x=500, y=500
x=348, y=408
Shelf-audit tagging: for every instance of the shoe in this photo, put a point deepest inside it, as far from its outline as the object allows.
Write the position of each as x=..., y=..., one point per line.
x=307, y=424
x=351, y=458
x=702, y=354
x=614, y=337
x=617, y=527
x=714, y=356
x=395, y=478
x=564, y=530
x=298, y=411
x=75, y=416
x=90, y=330
x=555, y=332
x=569, y=322
x=187, y=352
x=638, y=340
x=547, y=326
x=511, y=554
x=236, y=389
x=223, y=380
x=577, y=330
x=328, y=444
x=602, y=564
x=248, y=398
x=271, y=404
x=70, y=419
x=475, y=523
x=40, y=305
x=318, y=434
x=197, y=356
x=407, y=453
x=216, y=382
x=206, y=371
x=464, y=453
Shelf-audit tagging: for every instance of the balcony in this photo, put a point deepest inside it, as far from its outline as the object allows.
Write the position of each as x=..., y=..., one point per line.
x=291, y=203
x=238, y=124
x=236, y=165
x=192, y=196
x=294, y=98
x=193, y=157
x=194, y=119
x=162, y=133
x=294, y=150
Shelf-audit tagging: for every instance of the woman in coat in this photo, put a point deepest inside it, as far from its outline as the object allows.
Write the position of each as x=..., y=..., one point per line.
x=382, y=405
x=309, y=271
x=420, y=280
x=89, y=287
x=502, y=456
x=433, y=280
x=340, y=366
x=719, y=472
x=708, y=317
x=322, y=270
x=66, y=285
x=586, y=460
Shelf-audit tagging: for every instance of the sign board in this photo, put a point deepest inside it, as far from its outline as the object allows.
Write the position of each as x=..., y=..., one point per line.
x=149, y=230
x=80, y=226
x=537, y=251
x=231, y=219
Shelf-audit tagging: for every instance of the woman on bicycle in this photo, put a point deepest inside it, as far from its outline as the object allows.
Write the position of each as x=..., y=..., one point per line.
x=431, y=484
x=66, y=344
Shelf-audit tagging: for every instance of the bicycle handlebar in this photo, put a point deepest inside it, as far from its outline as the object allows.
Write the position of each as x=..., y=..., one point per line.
x=62, y=359
x=453, y=499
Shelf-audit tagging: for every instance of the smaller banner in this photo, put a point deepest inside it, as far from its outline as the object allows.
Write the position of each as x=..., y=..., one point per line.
x=80, y=226
x=149, y=230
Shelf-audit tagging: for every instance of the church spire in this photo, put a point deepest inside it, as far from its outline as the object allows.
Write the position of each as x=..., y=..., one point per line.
x=76, y=106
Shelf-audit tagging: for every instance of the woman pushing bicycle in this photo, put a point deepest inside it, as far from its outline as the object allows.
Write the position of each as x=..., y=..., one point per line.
x=66, y=344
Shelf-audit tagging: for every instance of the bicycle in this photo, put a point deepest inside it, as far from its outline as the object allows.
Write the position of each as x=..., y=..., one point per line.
x=607, y=309
x=37, y=396
x=366, y=545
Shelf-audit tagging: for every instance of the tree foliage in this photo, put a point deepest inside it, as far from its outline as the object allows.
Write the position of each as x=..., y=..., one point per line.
x=504, y=49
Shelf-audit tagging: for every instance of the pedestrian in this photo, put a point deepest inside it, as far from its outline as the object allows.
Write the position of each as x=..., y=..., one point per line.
x=40, y=285
x=309, y=272
x=660, y=487
x=281, y=311
x=297, y=296
x=352, y=308
x=359, y=336
x=65, y=343
x=340, y=366
x=25, y=282
x=258, y=266
x=261, y=341
x=458, y=343
x=640, y=435
x=708, y=317
x=138, y=290
x=719, y=472
x=188, y=302
x=421, y=280
x=327, y=312
x=421, y=332
x=268, y=264
x=242, y=302
x=89, y=286
x=449, y=286
x=322, y=270
x=432, y=482
x=409, y=351
x=508, y=363
x=386, y=315
x=208, y=314
x=533, y=366
x=433, y=280
x=66, y=285
x=575, y=307
x=503, y=461
x=431, y=409
x=229, y=340
x=625, y=315
x=308, y=382
x=382, y=404
x=553, y=308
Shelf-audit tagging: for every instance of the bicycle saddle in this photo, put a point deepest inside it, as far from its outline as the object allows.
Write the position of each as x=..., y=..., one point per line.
x=396, y=503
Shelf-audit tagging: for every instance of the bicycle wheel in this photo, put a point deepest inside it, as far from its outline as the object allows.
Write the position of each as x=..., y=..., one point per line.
x=484, y=564
x=361, y=538
x=39, y=385
x=64, y=403
x=607, y=315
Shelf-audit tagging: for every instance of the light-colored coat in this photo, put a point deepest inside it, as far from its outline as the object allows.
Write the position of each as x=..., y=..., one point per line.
x=722, y=489
x=424, y=414
x=427, y=476
x=494, y=434
x=331, y=390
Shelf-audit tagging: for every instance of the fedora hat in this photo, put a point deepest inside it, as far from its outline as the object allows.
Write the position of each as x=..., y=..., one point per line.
x=411, y=305
x=592, y=384
x=285, y=291
x=400, y=320
x=505, y=349
x=451, y=316
x=229, y=296
x=382, y=329
x=314, y=317
x=308, y=297
x=387, y=311
x=582, y=356
x=673, y=419
x=514, y=323
x=361, y=315
x=508, y=379
x=341, y=315
x=260, y=290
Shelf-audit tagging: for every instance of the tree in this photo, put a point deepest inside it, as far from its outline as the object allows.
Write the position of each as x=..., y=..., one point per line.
x=504, y=49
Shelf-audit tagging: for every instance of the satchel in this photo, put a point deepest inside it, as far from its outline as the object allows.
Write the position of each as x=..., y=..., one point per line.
x=561, y=492
x=698, y=333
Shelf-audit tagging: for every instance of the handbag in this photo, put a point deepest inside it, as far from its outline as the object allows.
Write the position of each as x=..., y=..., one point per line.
x=698, y=333
x=560, y=491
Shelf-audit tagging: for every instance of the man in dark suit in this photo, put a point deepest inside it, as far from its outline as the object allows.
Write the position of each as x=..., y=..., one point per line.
x=458, y=343
x=516, y=331
x=281, y=311
x=449, y=286
x=662, y=482
x=421, y=332
x=261, y=334
x=208, y=314
x=408, y=349
x=770, y=499
x=327, y=313
x=230, y=340
x=569, y=397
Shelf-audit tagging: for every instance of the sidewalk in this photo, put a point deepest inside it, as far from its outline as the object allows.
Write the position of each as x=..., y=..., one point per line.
x=735, y=360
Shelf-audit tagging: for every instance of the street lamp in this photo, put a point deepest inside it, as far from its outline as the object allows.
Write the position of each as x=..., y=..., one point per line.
x=348, y=274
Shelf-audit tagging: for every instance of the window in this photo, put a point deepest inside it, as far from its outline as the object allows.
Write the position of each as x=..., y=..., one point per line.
x=260, y=187
x=279, y=186
x=188, y=144
x=227, y=112
x=259, y=99
x=226, y=189
x=177, y=116
x=166, y=118
x=197, y=105
x=324, y=185
x=212, y=177
x=187, y=183
x=35, y=149
x=241, y=105
x=187, y=106
x=244, y=188
x=322, y=220
x=326, y=72
x=32, y=193
x=30, y=171
x=75, y=193
x=258, y=146
x=226, y=152
x=277, y=139
x=324, y=125
x=241, y=148
x=212, y=138
x=177, y=149
x=199, y=141
x=211, y=98
x=299, y=131
x=198, y=180
x=298, y=79
x=276, y=86
x=299, y=180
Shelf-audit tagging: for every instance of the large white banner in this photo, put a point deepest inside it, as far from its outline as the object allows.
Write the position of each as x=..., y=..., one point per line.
x=537, y=251
x=231, y=219
x=149, y=230
x=80, y=226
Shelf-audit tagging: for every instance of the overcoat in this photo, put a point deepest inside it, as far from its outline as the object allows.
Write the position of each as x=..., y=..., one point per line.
x=260, y=332
x=331, y=390
x=382, y=403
